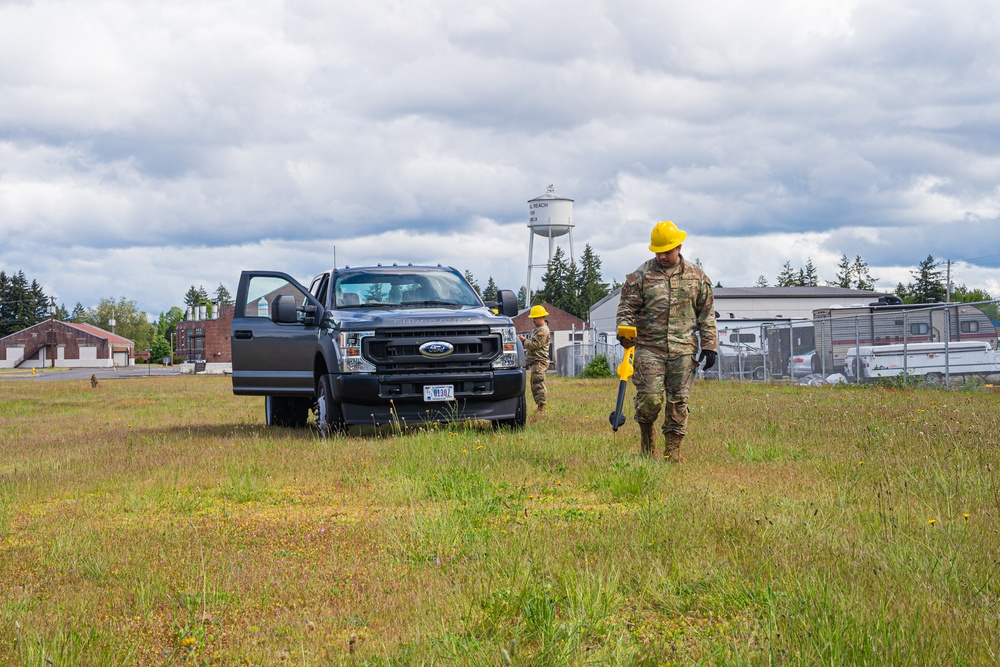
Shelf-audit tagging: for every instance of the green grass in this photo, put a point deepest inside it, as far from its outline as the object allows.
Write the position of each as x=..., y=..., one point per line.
x=156, y=521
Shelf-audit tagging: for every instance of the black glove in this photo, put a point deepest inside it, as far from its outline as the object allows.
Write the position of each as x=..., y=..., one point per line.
x=626, y=342
x=709, y=357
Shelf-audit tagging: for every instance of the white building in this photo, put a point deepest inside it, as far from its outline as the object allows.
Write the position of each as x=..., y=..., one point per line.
x=752, y=303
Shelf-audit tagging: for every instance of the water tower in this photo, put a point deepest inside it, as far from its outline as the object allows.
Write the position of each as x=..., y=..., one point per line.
x=549, y=216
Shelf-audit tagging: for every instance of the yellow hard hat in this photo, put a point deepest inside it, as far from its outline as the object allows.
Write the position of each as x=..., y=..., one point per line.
x=665, y=236
x=537, y=311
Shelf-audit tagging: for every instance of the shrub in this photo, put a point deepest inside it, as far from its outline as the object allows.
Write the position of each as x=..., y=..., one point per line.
x=597, y=367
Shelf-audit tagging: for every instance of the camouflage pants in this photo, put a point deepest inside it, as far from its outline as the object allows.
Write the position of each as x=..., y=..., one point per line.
x=538, y=369
x=656, y=376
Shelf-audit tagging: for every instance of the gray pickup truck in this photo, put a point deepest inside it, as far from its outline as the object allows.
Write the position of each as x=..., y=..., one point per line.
x=377, y=345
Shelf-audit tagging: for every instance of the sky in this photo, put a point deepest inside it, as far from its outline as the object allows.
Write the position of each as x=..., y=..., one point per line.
x=147, y=147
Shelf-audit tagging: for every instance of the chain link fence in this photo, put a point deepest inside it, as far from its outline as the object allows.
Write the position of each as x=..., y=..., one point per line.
x=933, y=344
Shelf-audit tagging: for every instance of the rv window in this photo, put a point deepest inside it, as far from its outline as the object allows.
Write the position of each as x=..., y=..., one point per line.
x=969, y=327
x=919, y=329
x=742, y=338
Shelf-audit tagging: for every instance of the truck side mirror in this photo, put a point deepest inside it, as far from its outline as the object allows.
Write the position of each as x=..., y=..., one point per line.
x=283, y=309
x=508, y=302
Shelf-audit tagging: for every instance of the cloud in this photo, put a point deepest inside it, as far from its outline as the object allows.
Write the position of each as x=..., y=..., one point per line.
x=145, y=147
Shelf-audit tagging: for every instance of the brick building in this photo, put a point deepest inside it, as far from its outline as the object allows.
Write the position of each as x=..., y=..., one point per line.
x=65, y=344
x=206, y=340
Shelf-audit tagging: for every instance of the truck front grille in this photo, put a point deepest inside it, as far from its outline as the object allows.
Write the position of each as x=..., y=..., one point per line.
x=398, y=350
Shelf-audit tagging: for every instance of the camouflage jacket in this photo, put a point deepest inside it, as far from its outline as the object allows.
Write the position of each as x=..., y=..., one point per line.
x=669, y=308
x=536, y=345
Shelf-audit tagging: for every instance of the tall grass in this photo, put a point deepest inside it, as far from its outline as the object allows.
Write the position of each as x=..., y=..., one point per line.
x=156, y=521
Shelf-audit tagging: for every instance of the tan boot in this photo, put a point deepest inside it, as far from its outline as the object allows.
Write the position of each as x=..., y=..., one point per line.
x=648, y=439
x=541, y=409
x=672, y=448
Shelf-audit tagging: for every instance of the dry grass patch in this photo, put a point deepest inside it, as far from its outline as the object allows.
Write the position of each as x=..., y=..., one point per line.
x=156, y=521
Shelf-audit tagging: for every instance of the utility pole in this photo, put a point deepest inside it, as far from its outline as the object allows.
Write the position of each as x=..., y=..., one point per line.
x=52, y=329
x=947, y=283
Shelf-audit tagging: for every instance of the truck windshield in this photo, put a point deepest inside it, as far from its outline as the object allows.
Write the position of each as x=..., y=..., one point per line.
x=414, y=290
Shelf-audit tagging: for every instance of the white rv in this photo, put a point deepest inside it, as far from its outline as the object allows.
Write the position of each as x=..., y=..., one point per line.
x=930, y=361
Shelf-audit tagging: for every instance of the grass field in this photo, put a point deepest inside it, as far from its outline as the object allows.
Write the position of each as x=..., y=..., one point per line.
x=156, y=521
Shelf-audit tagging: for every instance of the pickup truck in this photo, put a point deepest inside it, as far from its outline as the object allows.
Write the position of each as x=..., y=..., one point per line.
x=377, y=345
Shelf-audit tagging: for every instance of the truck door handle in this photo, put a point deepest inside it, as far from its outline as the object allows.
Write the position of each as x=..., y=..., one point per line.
x=243, y=334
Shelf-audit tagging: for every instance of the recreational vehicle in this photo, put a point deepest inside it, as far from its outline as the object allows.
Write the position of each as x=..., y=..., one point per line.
x=931, y=361
x=888, y=323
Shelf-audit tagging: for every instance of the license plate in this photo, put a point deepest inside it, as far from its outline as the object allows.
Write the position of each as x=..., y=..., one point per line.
x=439, y=392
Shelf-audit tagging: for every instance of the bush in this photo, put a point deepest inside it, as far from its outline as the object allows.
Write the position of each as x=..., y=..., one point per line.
x=597, y=367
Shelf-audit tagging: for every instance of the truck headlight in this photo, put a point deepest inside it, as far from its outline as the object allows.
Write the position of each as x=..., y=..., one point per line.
x=351, y=360
x=508, y=350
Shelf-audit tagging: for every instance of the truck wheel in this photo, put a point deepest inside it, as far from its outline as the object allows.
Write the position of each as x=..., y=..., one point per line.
x=759, y=373
x=329, y=416
x=520, y=416
x=287, y=411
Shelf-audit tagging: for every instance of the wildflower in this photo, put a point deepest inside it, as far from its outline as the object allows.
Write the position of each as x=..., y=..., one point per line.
x=465, y=451
x=932, y=521
x=188, y=642
x=861, y=463
x=479, y=447
x=966, y=516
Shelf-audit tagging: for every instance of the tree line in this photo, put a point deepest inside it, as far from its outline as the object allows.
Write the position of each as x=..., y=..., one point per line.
x=24, y=304
x=929, y=284
x=568, y=285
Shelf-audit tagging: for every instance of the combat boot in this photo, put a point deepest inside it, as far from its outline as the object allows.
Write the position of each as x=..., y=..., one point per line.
x=672, y=448
x=648, y=438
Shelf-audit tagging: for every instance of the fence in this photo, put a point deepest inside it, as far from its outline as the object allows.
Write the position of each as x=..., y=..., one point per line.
x=934, y=343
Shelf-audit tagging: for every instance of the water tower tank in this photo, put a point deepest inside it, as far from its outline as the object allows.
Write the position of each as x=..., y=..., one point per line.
x=550, y=215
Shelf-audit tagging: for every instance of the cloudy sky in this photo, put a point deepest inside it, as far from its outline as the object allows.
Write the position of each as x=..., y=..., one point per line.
x=149, y=146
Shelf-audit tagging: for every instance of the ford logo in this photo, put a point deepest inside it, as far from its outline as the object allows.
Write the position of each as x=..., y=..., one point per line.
x=436, y=348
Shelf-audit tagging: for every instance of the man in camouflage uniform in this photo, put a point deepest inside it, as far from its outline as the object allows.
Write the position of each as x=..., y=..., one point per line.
x=536, y=352
x=670, y=303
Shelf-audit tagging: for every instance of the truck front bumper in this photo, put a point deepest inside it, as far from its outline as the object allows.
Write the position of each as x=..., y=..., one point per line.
x=381, y=399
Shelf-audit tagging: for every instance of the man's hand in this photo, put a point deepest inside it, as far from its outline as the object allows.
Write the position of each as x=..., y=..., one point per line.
x=626, y=342
x=709, y=357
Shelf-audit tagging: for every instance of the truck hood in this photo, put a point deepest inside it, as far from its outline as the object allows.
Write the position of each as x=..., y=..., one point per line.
x=376, y=318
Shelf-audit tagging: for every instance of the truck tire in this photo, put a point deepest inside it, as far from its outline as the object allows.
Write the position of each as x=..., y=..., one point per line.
x=520, y=416
x=287, y=411
x=329, y=416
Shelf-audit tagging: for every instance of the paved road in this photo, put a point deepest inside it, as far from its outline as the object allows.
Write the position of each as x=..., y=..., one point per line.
x=85, y=373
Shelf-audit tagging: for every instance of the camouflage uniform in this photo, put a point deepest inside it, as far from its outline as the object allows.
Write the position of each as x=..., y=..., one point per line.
x=536, y=352
x=668, y=307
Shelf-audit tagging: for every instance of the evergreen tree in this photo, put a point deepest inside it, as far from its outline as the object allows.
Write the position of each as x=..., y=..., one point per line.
x=808, y=276
x=590, y=287
x=862, y=277
x=845, y=274
x=522, y=297
x=78, y=314
x=222, y=296
x=557, y=283
x=928, y=285
x=787, y=277
x=472, y=281
x=490, y=293
x=761, y=281
x=192, y=298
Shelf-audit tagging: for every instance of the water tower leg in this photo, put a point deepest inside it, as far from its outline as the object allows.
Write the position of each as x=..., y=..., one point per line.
x=531, y=258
